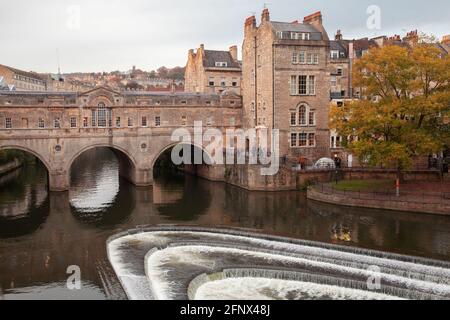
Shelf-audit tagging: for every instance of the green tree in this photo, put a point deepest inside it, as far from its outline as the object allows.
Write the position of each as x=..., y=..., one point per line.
x=405, y=109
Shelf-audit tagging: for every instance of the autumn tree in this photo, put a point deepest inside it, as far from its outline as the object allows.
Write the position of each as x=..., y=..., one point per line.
x=405, y=106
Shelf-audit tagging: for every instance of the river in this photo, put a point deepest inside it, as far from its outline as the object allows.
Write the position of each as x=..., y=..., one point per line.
x=42, y=233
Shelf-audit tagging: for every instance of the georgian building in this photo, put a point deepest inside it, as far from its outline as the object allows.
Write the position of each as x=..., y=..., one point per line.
x=209, y=71
x=286, y=84
x=22, y=80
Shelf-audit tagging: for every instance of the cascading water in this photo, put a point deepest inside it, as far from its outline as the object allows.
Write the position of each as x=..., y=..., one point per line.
x=178, y=263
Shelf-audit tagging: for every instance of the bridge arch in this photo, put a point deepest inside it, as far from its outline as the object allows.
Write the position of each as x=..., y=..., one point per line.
x=172, y=145
x=35, y=153
x=127, y=162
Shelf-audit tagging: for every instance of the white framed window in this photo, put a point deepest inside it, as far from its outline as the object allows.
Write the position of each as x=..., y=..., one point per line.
x=311, y=85
x=293, y=119
x=85, y=122
x=157, y=121
x=295, y=57
x=333, y=81
x=130, y=122
x=334, y=54
x=311, y=139
x=118, y=122
x=57, y=123
x=144, y=122
x=315, y=58
x=302, y=115
x=73, y=122
x=41, y=123
x=302, y=57
x=305, y=36
x=302, y=85
x=293, y=140
x=8, y=123
x=221, y=64
x=312, y=118
x=294, y=85
x=303, y=140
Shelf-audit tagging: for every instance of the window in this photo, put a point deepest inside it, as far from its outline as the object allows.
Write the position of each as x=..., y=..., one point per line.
x=312, y=85
x=232, y=121
x=310, y=58
x=102, y=115
x=302, y=85
x=85, y=122
x=311, y=139
x=234, y=83
x=293, y=118
x=293, y=139
x=8, y=123
x=302, y=57
x=157, y=121
x=223, y=82
x=294, y=57
x=118, y=122
x=94, y=118
x=305, y=36
x=41, y=123
x=279, y=35
x=312, y=118
x=183, y=120
x=57, y=123
x=221, y=64
x=302, y=115
x=315, y=58
x=303, y=139
x=73, y=122
x=334, y=54
x=130, y=122
x=209, y=121
x=211, y=82
x=293, y=85
x=333, y=81
x=339, y=72
x=144, y=121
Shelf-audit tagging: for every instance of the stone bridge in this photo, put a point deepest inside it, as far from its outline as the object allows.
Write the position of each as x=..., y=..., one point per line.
x=58, y=127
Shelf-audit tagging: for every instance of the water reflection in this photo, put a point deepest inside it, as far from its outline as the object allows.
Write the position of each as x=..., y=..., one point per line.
x=42, y=234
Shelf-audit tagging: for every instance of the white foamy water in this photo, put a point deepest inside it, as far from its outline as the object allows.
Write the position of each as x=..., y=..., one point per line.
x=276, y=289
x=172, y=259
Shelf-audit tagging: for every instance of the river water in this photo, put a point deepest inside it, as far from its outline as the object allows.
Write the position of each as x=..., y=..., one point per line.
x=42, y=233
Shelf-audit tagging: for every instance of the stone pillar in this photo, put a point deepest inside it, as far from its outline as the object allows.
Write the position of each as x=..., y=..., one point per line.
x=58, y=181
x=142, y=177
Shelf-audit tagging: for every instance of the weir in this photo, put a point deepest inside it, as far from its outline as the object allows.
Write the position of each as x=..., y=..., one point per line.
x=178, y=262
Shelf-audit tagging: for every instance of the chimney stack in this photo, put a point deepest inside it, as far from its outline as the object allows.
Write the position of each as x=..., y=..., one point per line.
x=202, y=46
x=234, y=52
x=250, y=22
x=446, y=39
x=265, y=15
x=313, y=18
x=338, y=35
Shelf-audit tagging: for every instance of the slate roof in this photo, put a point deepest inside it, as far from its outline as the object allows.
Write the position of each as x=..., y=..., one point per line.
x=212, y=56
x=341, y=46
x=293, y=27
x=24, y=73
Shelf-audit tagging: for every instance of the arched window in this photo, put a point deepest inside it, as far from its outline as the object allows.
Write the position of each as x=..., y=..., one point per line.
x=302, y=121
x=102, y=114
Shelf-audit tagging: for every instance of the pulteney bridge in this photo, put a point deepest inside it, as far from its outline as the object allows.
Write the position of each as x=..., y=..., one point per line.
x=58, y=127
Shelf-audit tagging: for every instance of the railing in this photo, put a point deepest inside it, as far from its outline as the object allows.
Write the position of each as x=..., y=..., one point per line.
x=438, y=198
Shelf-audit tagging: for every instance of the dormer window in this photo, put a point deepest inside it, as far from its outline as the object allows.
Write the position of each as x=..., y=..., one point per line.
x=334, y=54
x=221, y=64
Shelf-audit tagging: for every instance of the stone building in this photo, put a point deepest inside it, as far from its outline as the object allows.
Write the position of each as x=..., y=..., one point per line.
x=209, y=71
x=22, y=80
x=286, y=84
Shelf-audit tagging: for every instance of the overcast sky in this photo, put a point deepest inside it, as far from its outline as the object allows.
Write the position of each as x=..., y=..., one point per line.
x=110, y=35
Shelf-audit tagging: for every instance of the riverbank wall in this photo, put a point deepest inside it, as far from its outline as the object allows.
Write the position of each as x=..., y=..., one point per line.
x=431, y=203
x=250, y=177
